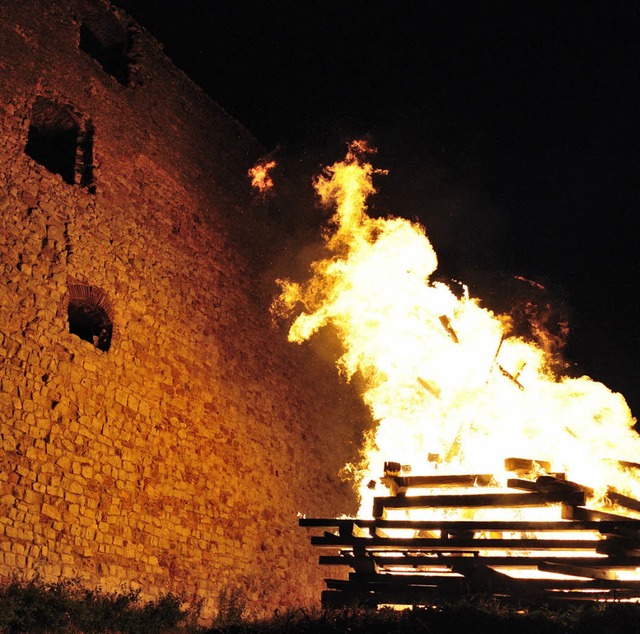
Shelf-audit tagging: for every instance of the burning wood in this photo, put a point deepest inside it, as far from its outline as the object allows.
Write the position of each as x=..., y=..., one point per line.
x=586, y=554
x=469, y=480
x=429, y=386
x=628, y=465
x=623, y=501
x=475, y=500
x=524, y=465
x=511, y=377
x=545, y=484
x=495, y=356
x=446, y=324
x=398, y=485
x=392, y=469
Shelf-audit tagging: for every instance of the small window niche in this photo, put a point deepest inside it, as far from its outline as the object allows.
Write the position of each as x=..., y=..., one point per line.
x=61, y=142
x=110, y=44
x=90, y=315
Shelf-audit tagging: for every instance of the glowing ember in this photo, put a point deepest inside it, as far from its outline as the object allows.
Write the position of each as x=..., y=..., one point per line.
x=444, y=376
x=260, y=177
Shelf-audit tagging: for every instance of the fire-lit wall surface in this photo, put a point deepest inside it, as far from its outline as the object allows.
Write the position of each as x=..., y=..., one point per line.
x=156, y=430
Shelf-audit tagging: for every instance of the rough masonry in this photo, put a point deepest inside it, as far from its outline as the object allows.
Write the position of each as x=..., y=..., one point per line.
x=156, y=429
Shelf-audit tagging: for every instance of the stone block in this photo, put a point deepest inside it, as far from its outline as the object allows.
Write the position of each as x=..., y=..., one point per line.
x=50, y=511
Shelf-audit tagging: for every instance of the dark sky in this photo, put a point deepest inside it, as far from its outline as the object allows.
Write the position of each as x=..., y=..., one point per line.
x=510, y=130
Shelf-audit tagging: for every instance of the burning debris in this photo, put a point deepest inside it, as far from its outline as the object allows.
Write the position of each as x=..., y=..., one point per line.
x=261, y=177
x=512, y=377
x=446, y=324
x=429, y=386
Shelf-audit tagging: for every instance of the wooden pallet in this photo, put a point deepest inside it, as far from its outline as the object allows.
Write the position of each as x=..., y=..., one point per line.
x=584, y=555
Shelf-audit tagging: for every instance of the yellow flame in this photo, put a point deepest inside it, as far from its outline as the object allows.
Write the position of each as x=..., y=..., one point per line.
x=260, y=177
x=443, y=375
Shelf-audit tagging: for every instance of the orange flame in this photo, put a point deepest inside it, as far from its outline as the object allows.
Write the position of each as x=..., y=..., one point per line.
x=443, y=375
x=260, y=177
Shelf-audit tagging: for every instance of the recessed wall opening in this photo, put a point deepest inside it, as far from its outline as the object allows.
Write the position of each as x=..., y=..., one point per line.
x=58, y=141
x=53, y=137
x=84, y=158
x=110, y=45
x=90, y=315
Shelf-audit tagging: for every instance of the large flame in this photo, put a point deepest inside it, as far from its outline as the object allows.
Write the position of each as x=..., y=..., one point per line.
x=444, y=376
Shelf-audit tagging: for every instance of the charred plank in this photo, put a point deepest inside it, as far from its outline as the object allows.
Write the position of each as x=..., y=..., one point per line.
x=574, y=498
x=526, y=465
x=452, y=543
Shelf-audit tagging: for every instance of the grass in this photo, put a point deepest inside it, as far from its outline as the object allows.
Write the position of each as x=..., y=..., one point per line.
x=34, y=607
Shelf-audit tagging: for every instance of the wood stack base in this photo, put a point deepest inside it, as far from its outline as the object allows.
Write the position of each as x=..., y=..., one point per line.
x=584, y=555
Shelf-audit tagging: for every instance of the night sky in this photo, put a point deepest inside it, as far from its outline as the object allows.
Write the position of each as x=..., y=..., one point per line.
x=510, y=131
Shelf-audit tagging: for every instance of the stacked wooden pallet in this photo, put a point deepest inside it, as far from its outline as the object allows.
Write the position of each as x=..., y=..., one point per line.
x=583, y=555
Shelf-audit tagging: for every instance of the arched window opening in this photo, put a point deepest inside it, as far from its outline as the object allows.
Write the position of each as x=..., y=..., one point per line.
x=90, y=323
x=57, y=141
x=89, y=314
x=53, y=138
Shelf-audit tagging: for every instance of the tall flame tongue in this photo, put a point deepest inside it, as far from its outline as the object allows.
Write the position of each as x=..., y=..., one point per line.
x=442, y=374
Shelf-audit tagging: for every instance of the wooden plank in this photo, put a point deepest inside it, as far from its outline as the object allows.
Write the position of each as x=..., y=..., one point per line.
x=446, y=580
x=448, y=562
x=581, y=513
x=517, y=585
x=619, y=546
x=585, y=520
x=576, y=498
x=486, y=580
x=583, y=584
x=397, y=585
x=394, y=592
x=589, y=595
x=323, y=522
x=478, y=479
x=346, y=596
x=547, y=483
x=622, y=584
x=594, y=572
x=526, y=465
x=403, y=561
x=628, y=465
x=361, y=563
x=623, y=500
x=453, y=543
x=520, y=561
x=520, y=483
x=551, y=483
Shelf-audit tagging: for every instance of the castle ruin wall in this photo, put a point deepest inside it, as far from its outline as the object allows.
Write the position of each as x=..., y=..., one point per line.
x=171, y=447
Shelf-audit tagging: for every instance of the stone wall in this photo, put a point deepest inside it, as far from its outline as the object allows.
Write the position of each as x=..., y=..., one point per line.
x=155, y=428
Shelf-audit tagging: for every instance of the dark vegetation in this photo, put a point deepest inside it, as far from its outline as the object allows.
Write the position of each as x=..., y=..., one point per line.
x=67, y=607
x=34, y=607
